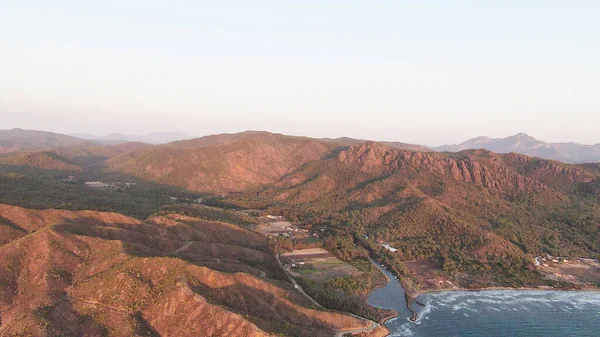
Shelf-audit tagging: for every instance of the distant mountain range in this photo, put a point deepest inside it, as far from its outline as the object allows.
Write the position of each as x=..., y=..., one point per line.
x=30, y=140
x=524, y=144
x=151, y=138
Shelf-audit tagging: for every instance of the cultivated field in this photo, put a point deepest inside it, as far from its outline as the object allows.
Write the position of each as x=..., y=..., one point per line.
x=317, y=264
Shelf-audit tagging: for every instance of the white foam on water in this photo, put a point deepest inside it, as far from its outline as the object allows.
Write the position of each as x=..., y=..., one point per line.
x=424, y=313
x=403, y=331
x=565, y=309
x=393, y=319
x=468, y=305
x=505, y=300
x=516, y=298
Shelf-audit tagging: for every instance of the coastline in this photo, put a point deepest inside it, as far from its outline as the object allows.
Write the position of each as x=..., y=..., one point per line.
x=411, y=296
x=421, y=292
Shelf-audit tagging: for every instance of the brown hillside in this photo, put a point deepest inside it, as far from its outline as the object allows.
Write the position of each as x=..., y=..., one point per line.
x=495, y=172
x=230, y=162
x=222, y=164
x=89, y=273
x=474, y=208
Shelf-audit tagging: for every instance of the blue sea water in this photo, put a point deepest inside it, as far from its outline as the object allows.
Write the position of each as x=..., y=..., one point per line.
x=491, y=313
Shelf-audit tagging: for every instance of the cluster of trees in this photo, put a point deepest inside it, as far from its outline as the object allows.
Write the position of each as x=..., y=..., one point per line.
x=340, y=294
x=344, y=247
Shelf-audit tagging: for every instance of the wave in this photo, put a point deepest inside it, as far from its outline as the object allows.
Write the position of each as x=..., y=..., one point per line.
x=507, y=300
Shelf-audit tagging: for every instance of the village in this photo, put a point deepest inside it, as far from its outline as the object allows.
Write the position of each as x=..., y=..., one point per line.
x=580, y=271
x=274, y=225
x=116, y=186
x=186, y=200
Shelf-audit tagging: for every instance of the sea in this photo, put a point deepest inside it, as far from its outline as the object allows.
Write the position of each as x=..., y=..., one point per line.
x=491, y=313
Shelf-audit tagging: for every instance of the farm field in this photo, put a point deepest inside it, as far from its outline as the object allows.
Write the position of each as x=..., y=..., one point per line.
x=317, y=264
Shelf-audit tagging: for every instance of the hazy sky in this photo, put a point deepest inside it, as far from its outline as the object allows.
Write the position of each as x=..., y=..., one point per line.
x=416, y=71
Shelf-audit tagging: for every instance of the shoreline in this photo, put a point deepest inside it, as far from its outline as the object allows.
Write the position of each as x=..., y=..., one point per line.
x=411, y=297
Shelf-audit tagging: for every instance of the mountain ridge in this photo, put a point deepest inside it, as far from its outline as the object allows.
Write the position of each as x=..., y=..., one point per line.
x=569, y=152
x=228, y=162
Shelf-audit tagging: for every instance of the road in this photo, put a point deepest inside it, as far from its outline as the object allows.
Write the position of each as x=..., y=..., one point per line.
x=339, y=333
x=184, y=247
x=296, y=285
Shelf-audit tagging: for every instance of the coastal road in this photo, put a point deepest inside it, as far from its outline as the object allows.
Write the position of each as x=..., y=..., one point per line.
x=339, y=333
x=352, y=332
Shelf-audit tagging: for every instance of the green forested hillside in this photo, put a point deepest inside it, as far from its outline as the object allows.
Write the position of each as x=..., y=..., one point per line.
x=482, y=216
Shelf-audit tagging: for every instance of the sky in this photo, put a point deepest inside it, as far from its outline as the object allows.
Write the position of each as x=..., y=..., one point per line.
x=426, y=72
